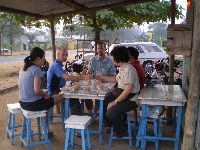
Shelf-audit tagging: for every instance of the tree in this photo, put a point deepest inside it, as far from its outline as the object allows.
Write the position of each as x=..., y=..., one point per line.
x=9, y=29
x=127, y=17
x=159, y=31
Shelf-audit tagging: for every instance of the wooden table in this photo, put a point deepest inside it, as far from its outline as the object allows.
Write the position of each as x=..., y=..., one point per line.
x=97, y=95
x=157, y=96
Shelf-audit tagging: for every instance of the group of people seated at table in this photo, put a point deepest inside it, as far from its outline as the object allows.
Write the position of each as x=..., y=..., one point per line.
x=129, y=80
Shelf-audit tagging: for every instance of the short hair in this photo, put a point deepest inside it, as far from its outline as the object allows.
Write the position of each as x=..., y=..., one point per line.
x=120, y=54
x=101, y=43
x=133, y=52
x=60, y=49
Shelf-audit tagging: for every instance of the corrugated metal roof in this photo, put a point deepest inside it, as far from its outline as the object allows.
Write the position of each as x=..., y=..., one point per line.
x=45, y=8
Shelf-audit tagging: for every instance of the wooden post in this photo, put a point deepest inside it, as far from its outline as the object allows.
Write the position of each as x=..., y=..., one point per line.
x=53, y=38
x=171, y=58
x=54, y=51
x=171, y=61
x=194, y=87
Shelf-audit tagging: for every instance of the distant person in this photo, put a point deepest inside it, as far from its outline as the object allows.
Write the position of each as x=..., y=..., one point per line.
x=100, y=64
x=93, y=45
x=134, y=53
x=118, y=101
x=57, y=77
x=31, y=96
x=44, y=69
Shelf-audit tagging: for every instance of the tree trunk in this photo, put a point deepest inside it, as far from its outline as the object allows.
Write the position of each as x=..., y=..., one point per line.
x=53, y=38
x=96, y=33
x=194, y=87
x=11, y=39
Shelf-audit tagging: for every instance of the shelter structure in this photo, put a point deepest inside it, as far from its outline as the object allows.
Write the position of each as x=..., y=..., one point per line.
x=49, y=9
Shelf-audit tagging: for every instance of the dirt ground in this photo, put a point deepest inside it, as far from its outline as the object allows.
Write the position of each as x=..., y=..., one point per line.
x=9, y=94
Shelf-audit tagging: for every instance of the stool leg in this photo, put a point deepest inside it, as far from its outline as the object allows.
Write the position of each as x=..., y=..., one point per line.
x=155, y=126
x=28, y=134
x=23, y=131
x=67, y=132
x=44, y=126
x=83, y=139
x=72, y=139
x=39, y=129
x=110, y=136
x=129, y=132
x=138, y=135
x=13, y=129
x=8, y=126
x=88, y=138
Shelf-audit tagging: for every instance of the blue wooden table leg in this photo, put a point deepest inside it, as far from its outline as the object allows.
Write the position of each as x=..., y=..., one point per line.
x=66, y=108
x=101, y=122
x=178, y=127
x=144, y=125
x=174, y=118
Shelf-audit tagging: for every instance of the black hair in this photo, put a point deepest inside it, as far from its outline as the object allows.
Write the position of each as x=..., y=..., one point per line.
x=35, y=53
x=133, y=52
x=120, y=54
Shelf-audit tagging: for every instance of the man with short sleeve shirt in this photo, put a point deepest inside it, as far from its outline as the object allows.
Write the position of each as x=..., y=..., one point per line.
x=100, y=64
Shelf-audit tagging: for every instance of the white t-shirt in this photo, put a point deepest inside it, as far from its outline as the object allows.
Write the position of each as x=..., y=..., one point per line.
x=128, y=75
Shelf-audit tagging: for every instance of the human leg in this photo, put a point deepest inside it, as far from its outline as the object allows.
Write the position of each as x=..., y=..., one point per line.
x=89, y=106
x=75, y=106
x=116, y=113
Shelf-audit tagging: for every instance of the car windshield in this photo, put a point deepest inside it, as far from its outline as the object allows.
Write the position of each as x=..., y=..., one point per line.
x=152, y=48
x=135, y=46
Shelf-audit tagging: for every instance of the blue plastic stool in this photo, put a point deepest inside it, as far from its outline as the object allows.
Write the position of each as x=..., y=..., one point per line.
x=26, y=133
x=129, y=137
x=75, y=122
x=13, y=109
x=155, y=118
x=61, y=116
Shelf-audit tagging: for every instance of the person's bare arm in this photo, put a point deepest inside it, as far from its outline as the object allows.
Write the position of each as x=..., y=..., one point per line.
x=127, y=90
x=37, y=90
x=74, y=78
x=102, y=78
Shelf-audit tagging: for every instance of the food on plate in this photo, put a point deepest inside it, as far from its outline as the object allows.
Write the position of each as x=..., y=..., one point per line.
x=66, y=88
x=86, y=90
x=75, y=87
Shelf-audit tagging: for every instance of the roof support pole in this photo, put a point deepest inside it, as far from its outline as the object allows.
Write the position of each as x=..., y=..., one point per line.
x=191, y=124
x=51, y=20
x=171, y=61
x=171, y=58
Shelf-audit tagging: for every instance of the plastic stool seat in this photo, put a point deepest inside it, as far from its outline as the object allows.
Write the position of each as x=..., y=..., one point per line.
x=11, y=125
x=75, y=122
x=14, y=108
x=34, y=114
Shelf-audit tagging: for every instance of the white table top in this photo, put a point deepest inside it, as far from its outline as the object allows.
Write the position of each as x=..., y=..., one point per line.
x=93, y=94
x=167, y=95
